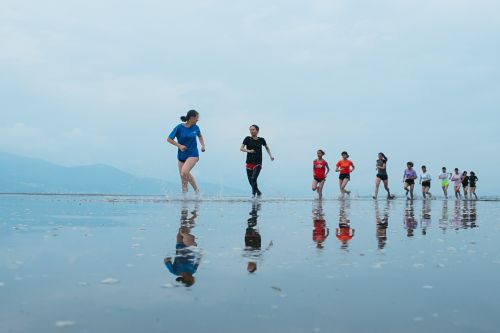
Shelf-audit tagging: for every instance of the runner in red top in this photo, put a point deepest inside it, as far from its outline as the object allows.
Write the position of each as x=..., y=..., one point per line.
x=344, y=167
x=320, y=170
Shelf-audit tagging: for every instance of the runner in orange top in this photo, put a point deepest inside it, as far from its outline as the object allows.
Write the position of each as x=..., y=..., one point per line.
x=344, y=167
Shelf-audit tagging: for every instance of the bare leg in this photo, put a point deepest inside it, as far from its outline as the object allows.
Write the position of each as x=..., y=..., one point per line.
x=377, y=184
x=411, y=190
x=386, y=187
x=186, y=173
x=314, y=186
x=343, y=186
x=183, y=181
x=320, y=189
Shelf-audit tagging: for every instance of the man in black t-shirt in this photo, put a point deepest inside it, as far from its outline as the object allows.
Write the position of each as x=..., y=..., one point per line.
x=252, y=145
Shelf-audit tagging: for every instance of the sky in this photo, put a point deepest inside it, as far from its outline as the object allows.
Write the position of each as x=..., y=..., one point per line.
x=85, y=82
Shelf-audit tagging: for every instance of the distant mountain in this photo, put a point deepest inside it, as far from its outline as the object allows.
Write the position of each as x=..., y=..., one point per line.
x=27, y=175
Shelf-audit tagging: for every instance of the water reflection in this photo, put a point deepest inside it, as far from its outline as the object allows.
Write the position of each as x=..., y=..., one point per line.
x=344, y=232
x=381, y=223
x=253, y=240
x=409, y=221
x=320, y=230
x=187, y=256
x=425, y=216
x=444, y=220
x=469, y=214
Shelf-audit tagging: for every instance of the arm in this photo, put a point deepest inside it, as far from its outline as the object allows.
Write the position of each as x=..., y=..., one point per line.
x=245, y=150
x=327, y=167
x=202, y=142
x=178, y=145
x=269, y=152
x=352, y=167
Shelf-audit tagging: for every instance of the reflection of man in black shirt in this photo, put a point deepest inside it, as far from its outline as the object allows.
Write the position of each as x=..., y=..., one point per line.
x=252, y=145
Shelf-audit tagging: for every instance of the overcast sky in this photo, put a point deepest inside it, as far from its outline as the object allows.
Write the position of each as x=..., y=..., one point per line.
x=106, y=81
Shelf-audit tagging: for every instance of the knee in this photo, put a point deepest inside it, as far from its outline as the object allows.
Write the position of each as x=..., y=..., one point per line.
x=185, y=174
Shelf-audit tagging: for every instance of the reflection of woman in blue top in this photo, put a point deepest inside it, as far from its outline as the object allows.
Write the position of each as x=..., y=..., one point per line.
x=187, y=154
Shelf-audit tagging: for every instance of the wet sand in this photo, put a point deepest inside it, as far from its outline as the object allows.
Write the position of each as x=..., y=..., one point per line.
x=99, y=264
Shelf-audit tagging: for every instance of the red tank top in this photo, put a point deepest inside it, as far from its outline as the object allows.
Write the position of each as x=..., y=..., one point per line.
x=319, y=169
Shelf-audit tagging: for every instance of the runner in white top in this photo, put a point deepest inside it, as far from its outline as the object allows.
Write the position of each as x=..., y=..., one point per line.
x=456, y=178
x=425, y=181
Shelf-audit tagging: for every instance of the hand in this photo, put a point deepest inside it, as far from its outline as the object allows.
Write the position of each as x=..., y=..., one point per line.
x=203, y=148
x=272, y=158
x=167, y=259
x=181, y=147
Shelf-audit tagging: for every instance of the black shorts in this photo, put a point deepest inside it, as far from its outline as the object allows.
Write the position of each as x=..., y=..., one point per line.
x=382, y=177
x=343, y=176
x=426, y=183
x=319, y=180
x=410, y=181
x=465, y=184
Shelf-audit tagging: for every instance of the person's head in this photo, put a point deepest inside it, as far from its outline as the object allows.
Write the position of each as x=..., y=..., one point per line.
x=424, y=168
x=464, y=173
x=443, y=169
x=472, y=173
x=344, y=155
x=191, y=117
x=456, y=170
x=382, y=157
x=186, y=279
x=409, y=165
x=251, y=267
x=254, y=130
x=320, y=153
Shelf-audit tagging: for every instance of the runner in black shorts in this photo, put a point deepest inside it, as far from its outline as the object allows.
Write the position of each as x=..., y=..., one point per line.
x=381, y=167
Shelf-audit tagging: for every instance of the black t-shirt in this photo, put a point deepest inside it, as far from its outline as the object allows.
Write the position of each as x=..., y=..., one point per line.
x=251, y=144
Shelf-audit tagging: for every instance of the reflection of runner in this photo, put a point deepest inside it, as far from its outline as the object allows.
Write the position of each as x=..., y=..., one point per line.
x=253, y=240
x=187, y=257
x=410, y=223
x=443, y=221
x=425, y=216
x=344, y=233
x=252, y=145
x=187, y=154
x=381, y=224
x=320, y=230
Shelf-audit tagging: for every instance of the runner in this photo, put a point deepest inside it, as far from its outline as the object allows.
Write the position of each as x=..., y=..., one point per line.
x=381, y=167
x=409, y=177
x=472, y=184
x=320, y=171
x=456, y=178
x=425, y=181
x=252, y=145
x=187, y=153
x=445, y=181
x=465, y=183
x=344, y=167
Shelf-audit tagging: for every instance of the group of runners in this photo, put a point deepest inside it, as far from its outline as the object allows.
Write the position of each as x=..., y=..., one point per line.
x=188, y=132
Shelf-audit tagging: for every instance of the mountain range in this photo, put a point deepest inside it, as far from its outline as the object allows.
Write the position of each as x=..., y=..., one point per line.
x=20, y=174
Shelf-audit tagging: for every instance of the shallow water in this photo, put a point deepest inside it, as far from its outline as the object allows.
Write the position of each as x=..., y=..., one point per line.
x=97, y=264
